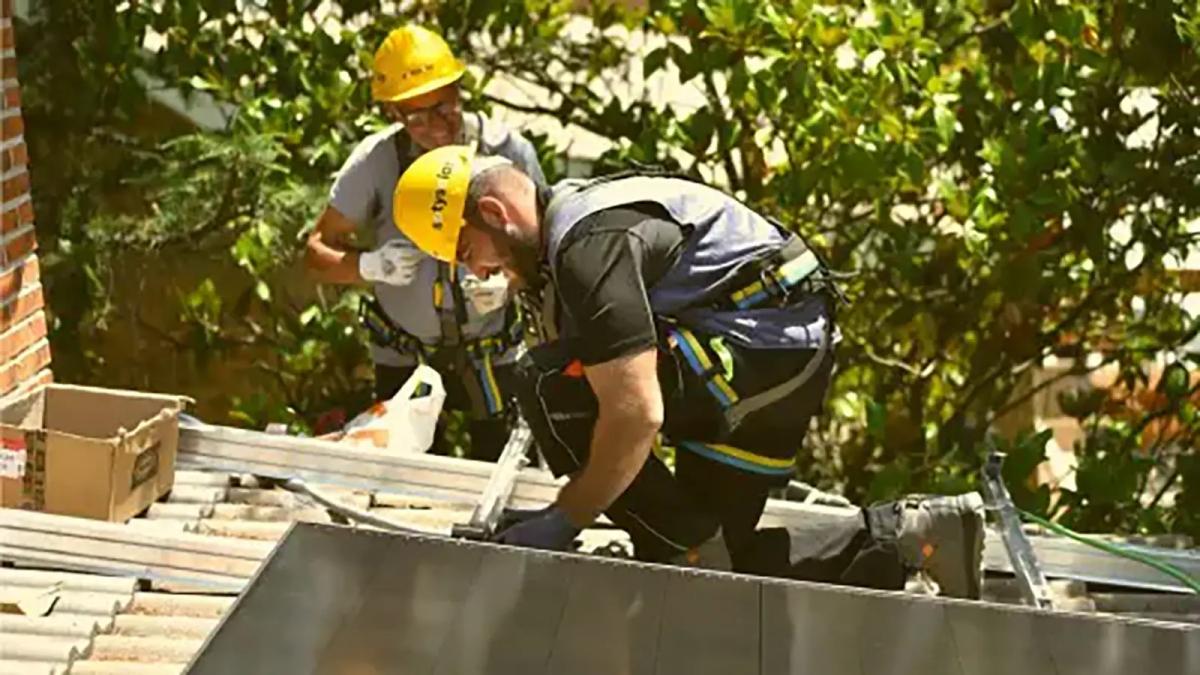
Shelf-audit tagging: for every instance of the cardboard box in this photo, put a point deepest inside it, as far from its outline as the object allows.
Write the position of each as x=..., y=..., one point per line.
x=82, y=451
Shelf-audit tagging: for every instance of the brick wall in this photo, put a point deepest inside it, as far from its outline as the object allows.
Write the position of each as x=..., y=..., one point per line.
x=24, y=350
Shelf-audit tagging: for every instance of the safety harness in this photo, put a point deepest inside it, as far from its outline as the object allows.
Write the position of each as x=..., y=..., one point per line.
x=742, y=459
x=473, y=359
x=776, y=280
x=478, y=355
x=792, y=272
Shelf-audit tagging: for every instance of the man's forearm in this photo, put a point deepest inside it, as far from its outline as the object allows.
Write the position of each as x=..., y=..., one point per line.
x=620, y=446
x=330, y=255
x=332, y=265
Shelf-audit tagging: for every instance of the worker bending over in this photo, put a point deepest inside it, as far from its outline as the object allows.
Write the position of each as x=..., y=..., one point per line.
x=676, y=309
x=423, y=310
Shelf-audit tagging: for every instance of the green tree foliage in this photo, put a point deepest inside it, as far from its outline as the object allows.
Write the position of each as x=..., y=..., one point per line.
x=1010, y=179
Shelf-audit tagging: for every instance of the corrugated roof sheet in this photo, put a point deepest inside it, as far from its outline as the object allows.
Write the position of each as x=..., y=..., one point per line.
x=126, y=626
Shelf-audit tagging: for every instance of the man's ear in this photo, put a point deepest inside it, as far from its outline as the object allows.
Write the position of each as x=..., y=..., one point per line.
x=493, y=212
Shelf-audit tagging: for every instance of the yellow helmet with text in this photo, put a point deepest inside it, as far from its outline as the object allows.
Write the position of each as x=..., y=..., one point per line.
x=410, y=62
x=427, y=205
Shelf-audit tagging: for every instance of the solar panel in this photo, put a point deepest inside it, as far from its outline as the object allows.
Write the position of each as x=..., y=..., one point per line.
x=340, y=601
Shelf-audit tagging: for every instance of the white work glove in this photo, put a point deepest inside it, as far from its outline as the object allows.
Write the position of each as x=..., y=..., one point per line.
x=395, y=263
x=485, y=295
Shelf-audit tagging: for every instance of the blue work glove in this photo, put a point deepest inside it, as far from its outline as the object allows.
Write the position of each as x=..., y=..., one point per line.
x=549, y=529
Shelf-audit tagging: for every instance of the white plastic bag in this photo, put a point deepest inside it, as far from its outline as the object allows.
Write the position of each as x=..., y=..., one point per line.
x=403, y=425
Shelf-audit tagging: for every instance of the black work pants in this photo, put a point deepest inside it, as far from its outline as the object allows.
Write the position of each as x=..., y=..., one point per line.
x=666, y=514
x=488, y=434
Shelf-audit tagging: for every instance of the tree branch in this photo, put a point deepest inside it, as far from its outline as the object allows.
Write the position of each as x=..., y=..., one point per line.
x=562, y=114
x=714, y=100
x=887, y=361
x=1073, y=372
x=157, y=332
x=975, y=32
x=1163, y=490
x=995, y=372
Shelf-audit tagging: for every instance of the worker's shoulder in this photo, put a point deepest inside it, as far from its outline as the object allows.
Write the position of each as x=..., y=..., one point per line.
x=496, y=135
x=375, y=147
x=597, y=230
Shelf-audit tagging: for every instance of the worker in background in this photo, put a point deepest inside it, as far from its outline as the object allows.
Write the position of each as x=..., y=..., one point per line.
x=423, y=310
x=677, y=309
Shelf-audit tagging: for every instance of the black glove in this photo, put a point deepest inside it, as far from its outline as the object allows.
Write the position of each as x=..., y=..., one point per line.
x=547, y=529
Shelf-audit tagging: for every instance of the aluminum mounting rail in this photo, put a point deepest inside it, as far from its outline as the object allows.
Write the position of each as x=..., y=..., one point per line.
x=494, y=499
x=1034, y=589
x=328, y=462
x=460, y=480
x=224, y=565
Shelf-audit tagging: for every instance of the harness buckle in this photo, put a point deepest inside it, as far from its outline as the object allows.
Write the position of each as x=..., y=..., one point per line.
x=773, y=285
x=385, y=334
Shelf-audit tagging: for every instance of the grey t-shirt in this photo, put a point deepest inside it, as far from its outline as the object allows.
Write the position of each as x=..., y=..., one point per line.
x=362, y=192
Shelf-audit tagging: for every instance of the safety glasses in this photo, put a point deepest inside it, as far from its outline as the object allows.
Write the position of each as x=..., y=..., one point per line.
x=423, y=117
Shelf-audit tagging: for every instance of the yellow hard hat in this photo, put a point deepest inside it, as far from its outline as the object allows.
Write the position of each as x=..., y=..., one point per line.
x=410, y=62
x=428, y=202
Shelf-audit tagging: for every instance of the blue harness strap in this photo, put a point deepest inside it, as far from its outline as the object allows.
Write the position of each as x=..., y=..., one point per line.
x=481, y=352
x=777, y=281
x=697, y=357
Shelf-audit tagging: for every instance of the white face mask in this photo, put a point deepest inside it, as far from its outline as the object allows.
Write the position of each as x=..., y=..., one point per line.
x=485, y=295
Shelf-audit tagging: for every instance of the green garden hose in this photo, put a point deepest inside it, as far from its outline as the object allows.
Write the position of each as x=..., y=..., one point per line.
x=1138, y=556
